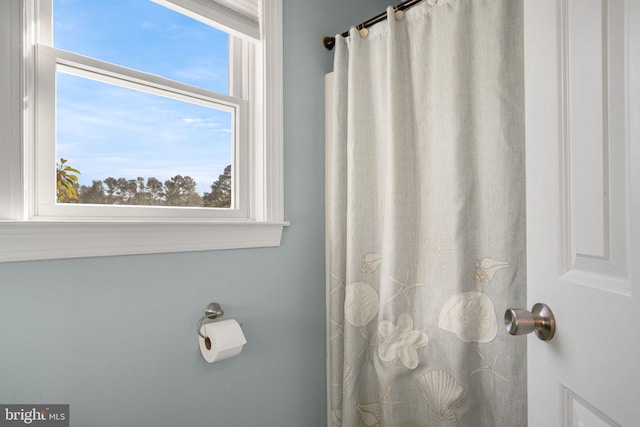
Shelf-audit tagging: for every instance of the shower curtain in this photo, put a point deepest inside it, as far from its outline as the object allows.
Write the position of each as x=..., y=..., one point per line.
x=425, y=219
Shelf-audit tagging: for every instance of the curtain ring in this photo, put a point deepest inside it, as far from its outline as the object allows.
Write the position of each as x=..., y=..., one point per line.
x=363, y=31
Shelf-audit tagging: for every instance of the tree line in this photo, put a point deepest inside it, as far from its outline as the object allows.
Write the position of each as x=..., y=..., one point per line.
x=176, y=191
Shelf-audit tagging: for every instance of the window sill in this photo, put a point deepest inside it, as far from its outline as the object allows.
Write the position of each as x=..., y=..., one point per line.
x=40, y=240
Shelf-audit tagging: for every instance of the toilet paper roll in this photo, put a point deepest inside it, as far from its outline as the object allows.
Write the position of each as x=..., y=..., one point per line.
x=226, y=340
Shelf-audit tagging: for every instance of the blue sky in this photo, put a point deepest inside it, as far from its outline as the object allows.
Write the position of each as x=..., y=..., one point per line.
x=105, y=130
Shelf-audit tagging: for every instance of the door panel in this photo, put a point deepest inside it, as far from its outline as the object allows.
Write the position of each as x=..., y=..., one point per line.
x=594, y=144
x=583, y=216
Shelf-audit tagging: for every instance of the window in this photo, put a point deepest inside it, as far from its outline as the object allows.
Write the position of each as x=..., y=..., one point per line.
x=142, y=116
x=152, y=126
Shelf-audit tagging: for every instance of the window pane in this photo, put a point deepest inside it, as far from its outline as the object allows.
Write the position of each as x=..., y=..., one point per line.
x=145, y=36
x=136, y=148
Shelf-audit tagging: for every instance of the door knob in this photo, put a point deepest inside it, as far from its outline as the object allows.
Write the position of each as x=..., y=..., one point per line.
x=539, y=320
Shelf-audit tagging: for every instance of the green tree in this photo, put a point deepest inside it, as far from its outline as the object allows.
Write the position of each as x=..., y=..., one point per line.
x=176, y=191
x=220, y=195
x=156, y=192
x=126, y=190
x=66, y=182
x=94, y=194
x=181, y=191
x=112, y=187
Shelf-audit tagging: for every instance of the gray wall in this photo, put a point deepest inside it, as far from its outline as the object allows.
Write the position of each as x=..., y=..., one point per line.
x=115, y=337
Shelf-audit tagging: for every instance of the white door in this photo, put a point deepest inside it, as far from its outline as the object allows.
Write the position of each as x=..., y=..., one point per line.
x=582, y=90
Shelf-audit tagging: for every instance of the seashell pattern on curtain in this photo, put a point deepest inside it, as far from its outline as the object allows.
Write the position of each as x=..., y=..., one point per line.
x=425, y=219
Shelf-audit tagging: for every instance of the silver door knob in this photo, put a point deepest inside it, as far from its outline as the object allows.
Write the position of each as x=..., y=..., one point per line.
x=539, y=320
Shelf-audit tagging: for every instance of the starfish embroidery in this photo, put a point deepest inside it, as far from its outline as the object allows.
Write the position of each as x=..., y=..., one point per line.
x=369, y=344
x=336, y=417
x=441, y=249
x=403, y=288
x=338, y=329
x=385, y=401
x=489, y=367
x=339, y=284
x=347, y=377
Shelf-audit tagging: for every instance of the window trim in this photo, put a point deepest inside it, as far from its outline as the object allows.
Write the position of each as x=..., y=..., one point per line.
x=24, y=240
x=27, y=238
x=52, y=60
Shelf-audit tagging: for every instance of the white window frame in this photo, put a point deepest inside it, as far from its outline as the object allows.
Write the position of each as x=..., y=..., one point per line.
x=31, y=230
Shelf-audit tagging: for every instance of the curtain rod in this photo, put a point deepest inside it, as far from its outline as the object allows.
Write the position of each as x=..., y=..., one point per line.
x=329, y=42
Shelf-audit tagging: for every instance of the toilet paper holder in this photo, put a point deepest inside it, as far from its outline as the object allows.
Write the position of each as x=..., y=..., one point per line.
x=212, y=312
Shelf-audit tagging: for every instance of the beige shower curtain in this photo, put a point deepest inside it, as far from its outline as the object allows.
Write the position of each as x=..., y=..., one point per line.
x=425, y=219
